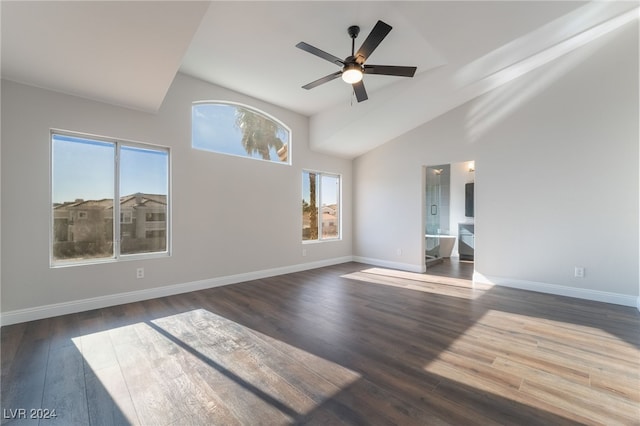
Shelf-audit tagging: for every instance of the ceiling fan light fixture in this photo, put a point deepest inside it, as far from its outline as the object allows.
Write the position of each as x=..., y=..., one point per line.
x=352, y=73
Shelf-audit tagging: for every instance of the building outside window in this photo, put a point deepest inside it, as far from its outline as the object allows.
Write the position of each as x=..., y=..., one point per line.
x=320, y=206
x=87, y=175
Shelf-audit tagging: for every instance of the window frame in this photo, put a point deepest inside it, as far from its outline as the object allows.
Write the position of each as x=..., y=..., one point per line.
x=319, y=176
x=117, y=211
x=254, y=110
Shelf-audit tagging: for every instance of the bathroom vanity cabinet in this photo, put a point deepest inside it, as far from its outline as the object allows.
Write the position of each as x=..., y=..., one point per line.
x=466, y=240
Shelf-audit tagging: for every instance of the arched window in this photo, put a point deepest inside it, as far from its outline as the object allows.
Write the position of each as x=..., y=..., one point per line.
x=235, y=129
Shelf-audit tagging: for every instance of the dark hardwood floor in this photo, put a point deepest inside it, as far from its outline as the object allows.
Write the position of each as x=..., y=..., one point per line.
x=452, y=267
x=347, y=344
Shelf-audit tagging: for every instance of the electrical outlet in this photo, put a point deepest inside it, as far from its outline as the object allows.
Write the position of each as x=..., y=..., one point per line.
x=140, y=273
x=578, y=272
x=304, y=252
x=399, y=251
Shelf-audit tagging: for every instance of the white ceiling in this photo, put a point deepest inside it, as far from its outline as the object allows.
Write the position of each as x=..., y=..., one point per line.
x=127, y=53
x=124, y=53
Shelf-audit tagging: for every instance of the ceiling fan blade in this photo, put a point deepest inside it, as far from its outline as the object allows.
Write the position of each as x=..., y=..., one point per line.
x=390, y=70
x=322, y=80
x=359, y=90
x=375, y=37
x=320, y=53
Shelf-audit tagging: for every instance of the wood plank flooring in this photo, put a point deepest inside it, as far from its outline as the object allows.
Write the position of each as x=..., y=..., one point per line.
x=347, y=344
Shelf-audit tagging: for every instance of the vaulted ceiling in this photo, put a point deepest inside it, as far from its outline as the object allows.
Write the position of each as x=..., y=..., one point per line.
x=128, y=52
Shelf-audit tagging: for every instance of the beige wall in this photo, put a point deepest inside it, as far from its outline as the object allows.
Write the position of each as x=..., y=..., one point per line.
x=216, y=232
x=556, y=156
x=557, y=186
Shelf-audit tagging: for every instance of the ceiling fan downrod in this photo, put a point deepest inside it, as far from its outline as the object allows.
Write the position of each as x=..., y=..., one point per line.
x=353, y=31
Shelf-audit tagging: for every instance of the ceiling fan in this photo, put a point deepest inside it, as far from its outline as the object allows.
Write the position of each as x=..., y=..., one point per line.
x=353, y=67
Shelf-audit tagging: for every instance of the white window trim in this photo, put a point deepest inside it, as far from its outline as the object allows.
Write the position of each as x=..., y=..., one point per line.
x=117, y=256
x=318, y=190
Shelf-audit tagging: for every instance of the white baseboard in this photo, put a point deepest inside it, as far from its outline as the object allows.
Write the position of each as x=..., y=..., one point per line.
x=410, y=267
x=560, y=290
x=64, y=308
x=48, y=311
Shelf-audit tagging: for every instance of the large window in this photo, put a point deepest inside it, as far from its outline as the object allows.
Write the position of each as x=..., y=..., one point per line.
x=239, y=130
x=320, y=206
x=87, y=175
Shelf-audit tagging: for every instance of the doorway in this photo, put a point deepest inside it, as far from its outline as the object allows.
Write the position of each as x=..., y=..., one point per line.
x=449, y=219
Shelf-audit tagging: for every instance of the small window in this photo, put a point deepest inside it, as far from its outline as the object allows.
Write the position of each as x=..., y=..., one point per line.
x=239, y=130
x=83, y=190
x=320, y=206
x=126, y=217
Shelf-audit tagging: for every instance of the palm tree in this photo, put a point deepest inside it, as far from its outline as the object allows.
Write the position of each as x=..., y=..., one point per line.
x=259, y=134
x=313, y=210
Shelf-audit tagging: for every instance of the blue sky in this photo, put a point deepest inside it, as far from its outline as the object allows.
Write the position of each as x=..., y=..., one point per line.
x=329, y=189
x=209, y=135
x=214, y=129
x=85, y=168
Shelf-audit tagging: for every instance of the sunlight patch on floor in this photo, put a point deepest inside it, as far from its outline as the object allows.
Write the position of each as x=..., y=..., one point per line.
x=526, y=359
x=232, y=361
x=435, y=284
x=103, y=372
